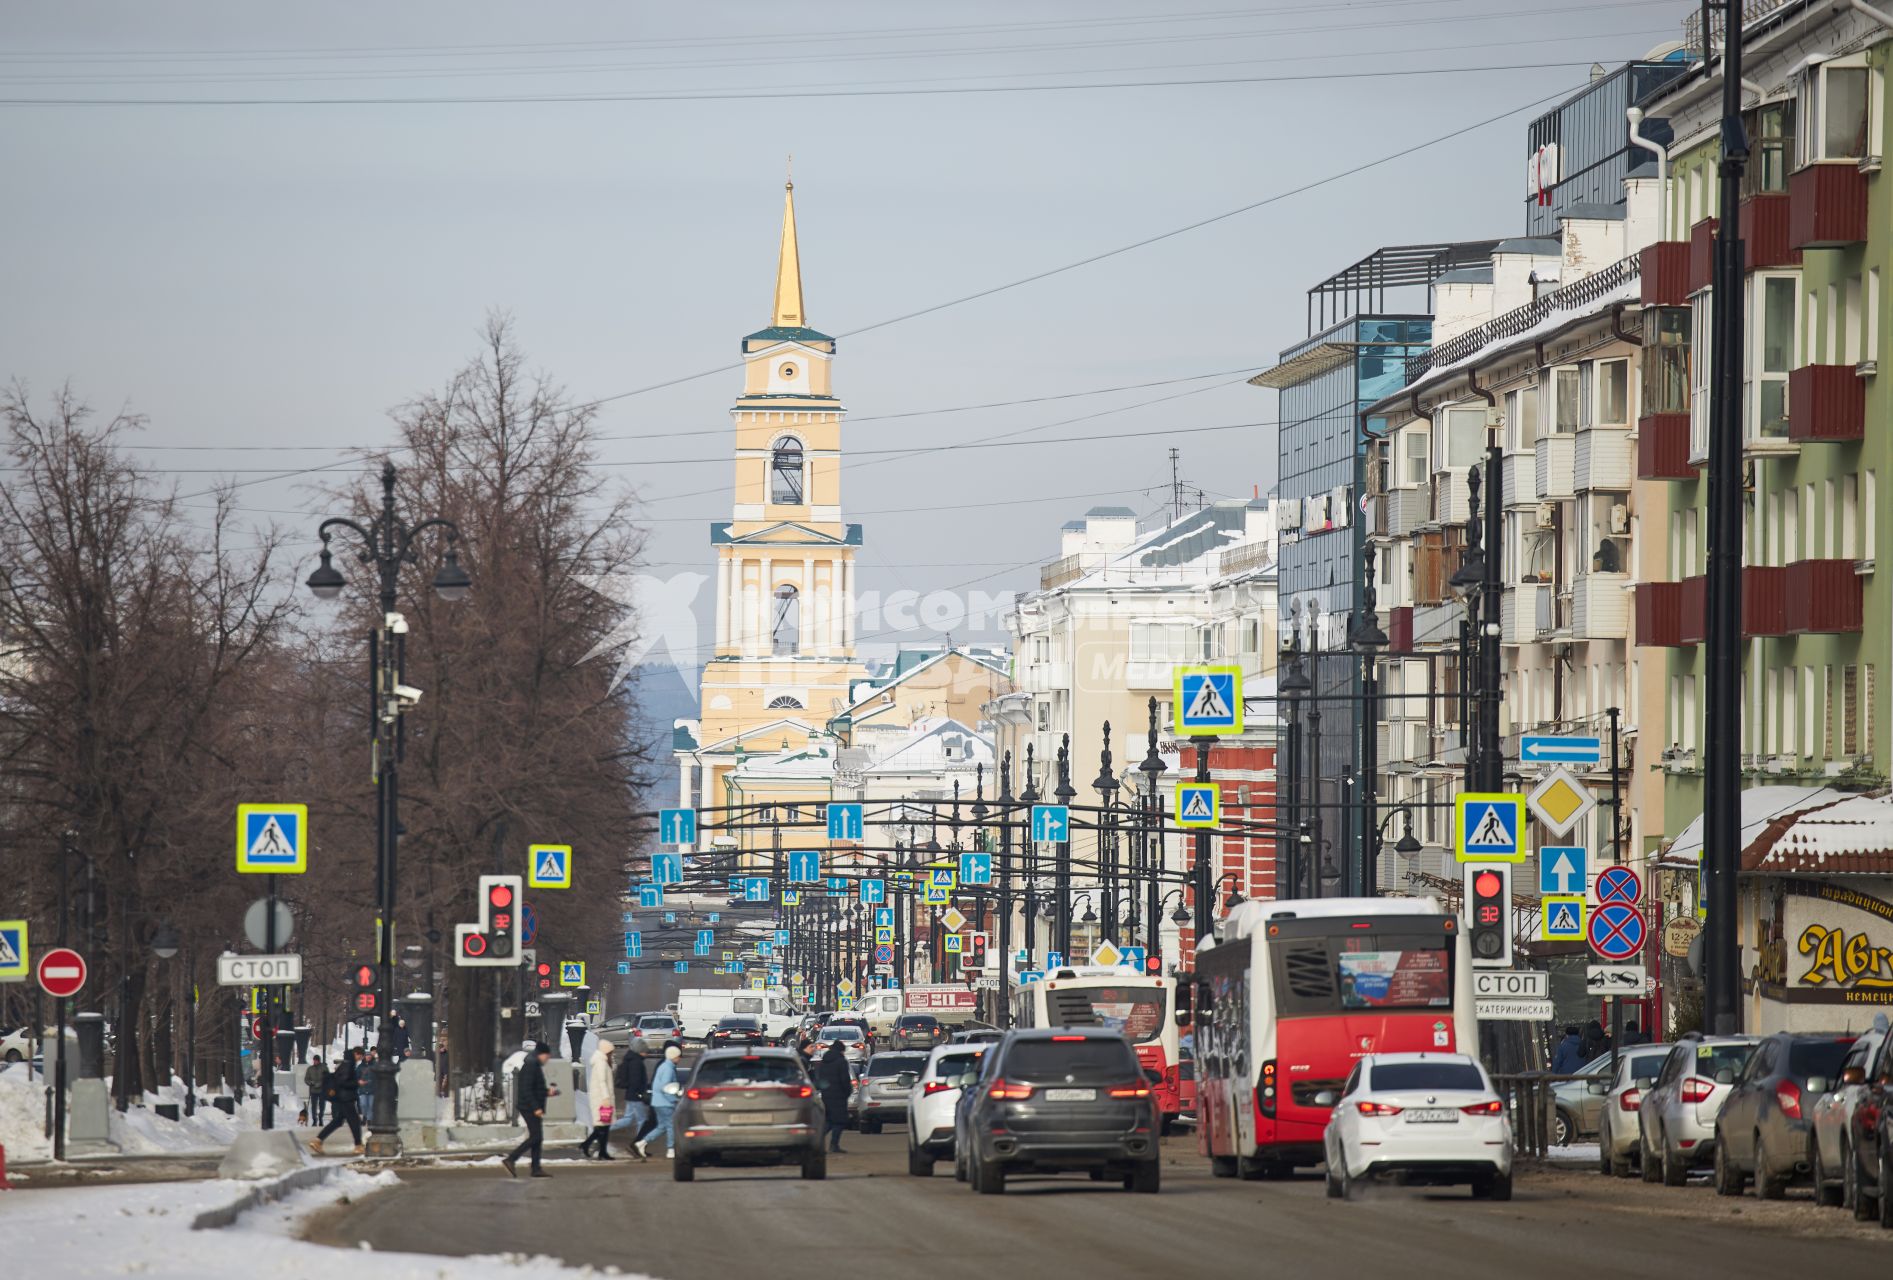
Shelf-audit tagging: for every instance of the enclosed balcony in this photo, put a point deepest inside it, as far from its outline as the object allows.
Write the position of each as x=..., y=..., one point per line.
x=1600, y=607
x=1663, y=268
x=1601, y=460
x=1663, y=447
x=1823, y=597
x=1764, y=229
x=1407, y=510
x=1521, y=478
x=1702, y=254
x=1827, y=206
x=1556, y=466
x=1692, y=607
x=1659, y=614
x=1400, y=627
x=1826, y=403
x=1764, y=601
x=1518, y=613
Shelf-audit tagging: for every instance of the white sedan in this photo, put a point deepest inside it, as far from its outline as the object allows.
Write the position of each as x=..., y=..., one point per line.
x=1430, y=1118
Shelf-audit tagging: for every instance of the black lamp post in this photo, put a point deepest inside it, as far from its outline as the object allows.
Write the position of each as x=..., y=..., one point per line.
x=1106, y=786
x=1061, y=879
x=1476, y=581
x=1029, y=915
x=387, y=543
x=1292, y=687
x=1150, y=772
x=1368, y=640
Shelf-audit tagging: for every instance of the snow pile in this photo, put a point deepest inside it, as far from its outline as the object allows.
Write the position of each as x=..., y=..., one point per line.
x=145, y=1230
x=23, y=1118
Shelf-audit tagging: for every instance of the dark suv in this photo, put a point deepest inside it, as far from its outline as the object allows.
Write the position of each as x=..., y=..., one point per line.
x=739, y=1030
x=1055, y=1101
x=917, y=1031
x=1869, y=1155
x=1763, y=1127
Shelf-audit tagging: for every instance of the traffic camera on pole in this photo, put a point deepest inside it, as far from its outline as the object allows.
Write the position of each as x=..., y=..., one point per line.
x=492, y=942
x=1489, y=913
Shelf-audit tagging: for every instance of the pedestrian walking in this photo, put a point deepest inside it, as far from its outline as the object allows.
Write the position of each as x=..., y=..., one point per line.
x=1569, y=1055
x=366, y=1083
x=600, y=1084
x=634, y=1082
x=836, y=1083
x=667, y=1087
x=314, y=1079
x=400, y=1038
x=1595, y=1041
x=531, y=1092
x=343, y=1088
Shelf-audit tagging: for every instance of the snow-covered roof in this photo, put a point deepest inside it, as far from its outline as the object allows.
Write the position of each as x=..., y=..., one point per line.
x=1760, y=806
x=1849, y=836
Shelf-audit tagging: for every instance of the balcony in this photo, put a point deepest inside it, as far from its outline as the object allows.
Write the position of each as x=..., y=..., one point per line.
x=1702, y=254
x=1692, y=606
x=1553, y=612
x=1048, y=677
x=1407, y=510
x=1520, y=474
x=1400, y=627
x=1600, y=607
x=1763, y=223
x=1450, y=503
x=1663, y=446
x=1556, y=462
x=1437, y=624
x=1827, y=206
x=1659, y=614
x=1518, y=613
x=1665, y=271
x=1764, y=601
x=1602, y=460
x=1823, y=597
x=1826, y=402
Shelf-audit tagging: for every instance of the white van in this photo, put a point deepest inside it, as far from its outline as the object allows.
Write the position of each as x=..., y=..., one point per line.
x=699, y=1009
x=880, y=1010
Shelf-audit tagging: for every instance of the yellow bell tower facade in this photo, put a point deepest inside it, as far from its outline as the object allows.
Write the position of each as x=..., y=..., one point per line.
x=784, y=658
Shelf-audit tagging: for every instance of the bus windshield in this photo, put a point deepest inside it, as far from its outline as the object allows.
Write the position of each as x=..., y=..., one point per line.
x=1367, y=972
x=1137, y=1013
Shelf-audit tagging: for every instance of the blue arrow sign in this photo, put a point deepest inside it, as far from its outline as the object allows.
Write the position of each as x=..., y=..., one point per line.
x=650, y=895
x=677, y=826
x=1133, y=958
x=873, y=891
x=1562, y=868
x=976, y=868
x=1560, y=749
x=670, y=917
x=765, y=948
x=1053, y=959
x=634, y=945
x=1051, y=822
x=782, y=937
x=838, y=884
x=706, y=937
x=756, y=889
x=667, y=868
x=884, y=916
x=681, y=966
x=715, y=917
x=844, y=821
x=702, y=948
x=624, y=967
x=805, y=866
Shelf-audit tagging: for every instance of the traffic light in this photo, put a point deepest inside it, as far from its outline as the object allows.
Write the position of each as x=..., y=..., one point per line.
x=1489, y=913
x=545, y=974
x=973, y=954
x=362, y=996
x=494, y=941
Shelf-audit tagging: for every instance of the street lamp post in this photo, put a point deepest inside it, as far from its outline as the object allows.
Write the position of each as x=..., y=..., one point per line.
x=1061, y=879
x=1368, y=640
x=1150, y=771
x=1027, y=798
x=1106, y=786
x=1294, y=684
x=1004, y=1011
x=388, y=543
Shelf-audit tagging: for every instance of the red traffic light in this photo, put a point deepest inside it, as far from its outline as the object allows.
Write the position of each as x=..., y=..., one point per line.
x=545, y=969
x=473, y=944
x=500, y=895
x=1488, y=884
x=364, y=975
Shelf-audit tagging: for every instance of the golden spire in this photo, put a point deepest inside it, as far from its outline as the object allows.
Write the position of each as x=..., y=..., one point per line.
x=788, y=268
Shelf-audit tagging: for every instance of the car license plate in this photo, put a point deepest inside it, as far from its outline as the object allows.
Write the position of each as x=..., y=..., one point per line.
x=1433, y=1115
x=752, y=1117
x=1070, y=1095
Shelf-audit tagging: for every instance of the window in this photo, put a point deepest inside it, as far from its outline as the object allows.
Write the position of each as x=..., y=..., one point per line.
x=1521, y=417
x=1849, y=516
x=784, y=703
x=1771, y=143
x=1852, y=330
x=1867, y=515
x=1701, y=319
x=1566, y=395
x=1416, y=469
x=1810, y=723
x=1465, y=436
x=1770, y=358
x=1850, y=710
x=1832, y=101
x=1165, y=642
x=786, y=473
x=1612, y=402
x=1045, y=717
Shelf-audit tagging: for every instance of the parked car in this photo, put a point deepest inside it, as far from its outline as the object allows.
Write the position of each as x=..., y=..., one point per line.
x=853, y=1041
x=654, y=1031
x=917, y=1031
x=947, y=1070
x=1053, y=1101
x=1620, y=1097
x=1764, y=1127
x=736, y=1029
x=976, y=1035
x=881, y=1095
x=1870, y=1143
x=1676, y=1120
x=16, y=1045
x=1432, y=1118
x=1578, y=1106
x=749, y=1107
x=1828, y=1149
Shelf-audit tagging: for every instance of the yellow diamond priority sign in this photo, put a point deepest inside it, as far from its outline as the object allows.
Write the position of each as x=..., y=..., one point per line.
x=953, y=920
x=1560, y=801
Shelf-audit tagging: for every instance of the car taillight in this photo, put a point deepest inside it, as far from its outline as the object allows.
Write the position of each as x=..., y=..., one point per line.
x=1376, y=1109
x=1630, y=1099
x=697, y=1093
x=1788, y=1094
x=1130, y=1091
x=1491, y=1108
x=1001, y=1089
x=1696, y=1089
x=935, y=1086
x=802, y=1090
x=1063, y=1039
x=1268, y=1088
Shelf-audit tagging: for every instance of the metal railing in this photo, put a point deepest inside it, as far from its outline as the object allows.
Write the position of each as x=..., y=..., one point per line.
x=1521, y=319
x=1533, y=1107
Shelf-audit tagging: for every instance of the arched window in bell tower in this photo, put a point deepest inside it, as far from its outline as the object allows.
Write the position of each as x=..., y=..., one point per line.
x=786, y=475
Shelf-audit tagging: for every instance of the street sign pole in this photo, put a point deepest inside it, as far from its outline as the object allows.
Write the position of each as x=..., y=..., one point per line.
x=267, y=1076
x=1204, y=908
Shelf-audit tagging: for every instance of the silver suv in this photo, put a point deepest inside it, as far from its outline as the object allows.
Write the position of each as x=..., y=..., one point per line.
x=1676, y=1117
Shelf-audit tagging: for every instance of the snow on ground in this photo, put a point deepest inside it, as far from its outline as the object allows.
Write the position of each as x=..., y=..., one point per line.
x=145, y=1230
x=1586, y=1153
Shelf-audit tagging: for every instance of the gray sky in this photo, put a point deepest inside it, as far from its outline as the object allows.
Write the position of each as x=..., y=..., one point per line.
x=270, y=274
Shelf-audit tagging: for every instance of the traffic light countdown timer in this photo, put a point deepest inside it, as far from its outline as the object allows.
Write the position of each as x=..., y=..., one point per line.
x=1489, y=913
x=493, y=941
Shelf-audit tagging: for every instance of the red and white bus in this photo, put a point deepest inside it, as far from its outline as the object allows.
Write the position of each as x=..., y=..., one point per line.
x=1293, y=993
x=1143, y=1007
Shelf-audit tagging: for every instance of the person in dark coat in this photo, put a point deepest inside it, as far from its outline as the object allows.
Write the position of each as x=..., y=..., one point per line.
x=1595, y=1040
x=835, y=1082
x=634, y=1082
x=1569, y=1055
x=531, y=1092
x=343, y=1087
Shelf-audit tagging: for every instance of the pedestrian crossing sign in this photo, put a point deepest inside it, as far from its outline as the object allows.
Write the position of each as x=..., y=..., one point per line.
x=1489, y=827
x=884, y=933
x=594, y=1007
x=1208, y=700
x=273, y=839
x=1563, y=917
x=14, y=960
x=571, y=973
x=549, y=866
x=791, y=897
x=951, y=944
x=1199, y=804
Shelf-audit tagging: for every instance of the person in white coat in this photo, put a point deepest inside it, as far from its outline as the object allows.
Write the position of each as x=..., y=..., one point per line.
x=599, y=1092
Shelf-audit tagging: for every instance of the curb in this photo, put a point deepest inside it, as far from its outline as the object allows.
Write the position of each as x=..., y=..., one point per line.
x=266, y=1193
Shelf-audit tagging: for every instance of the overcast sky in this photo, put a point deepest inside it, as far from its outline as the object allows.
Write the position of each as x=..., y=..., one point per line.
x=280, y=273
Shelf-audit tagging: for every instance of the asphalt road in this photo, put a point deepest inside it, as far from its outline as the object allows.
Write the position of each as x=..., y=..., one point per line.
x=871, y=1217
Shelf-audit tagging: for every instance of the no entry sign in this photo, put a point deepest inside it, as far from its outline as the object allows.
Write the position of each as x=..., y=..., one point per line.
x=61, y=972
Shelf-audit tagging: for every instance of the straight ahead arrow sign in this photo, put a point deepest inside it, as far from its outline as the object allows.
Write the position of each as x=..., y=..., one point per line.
x=1563, y=873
